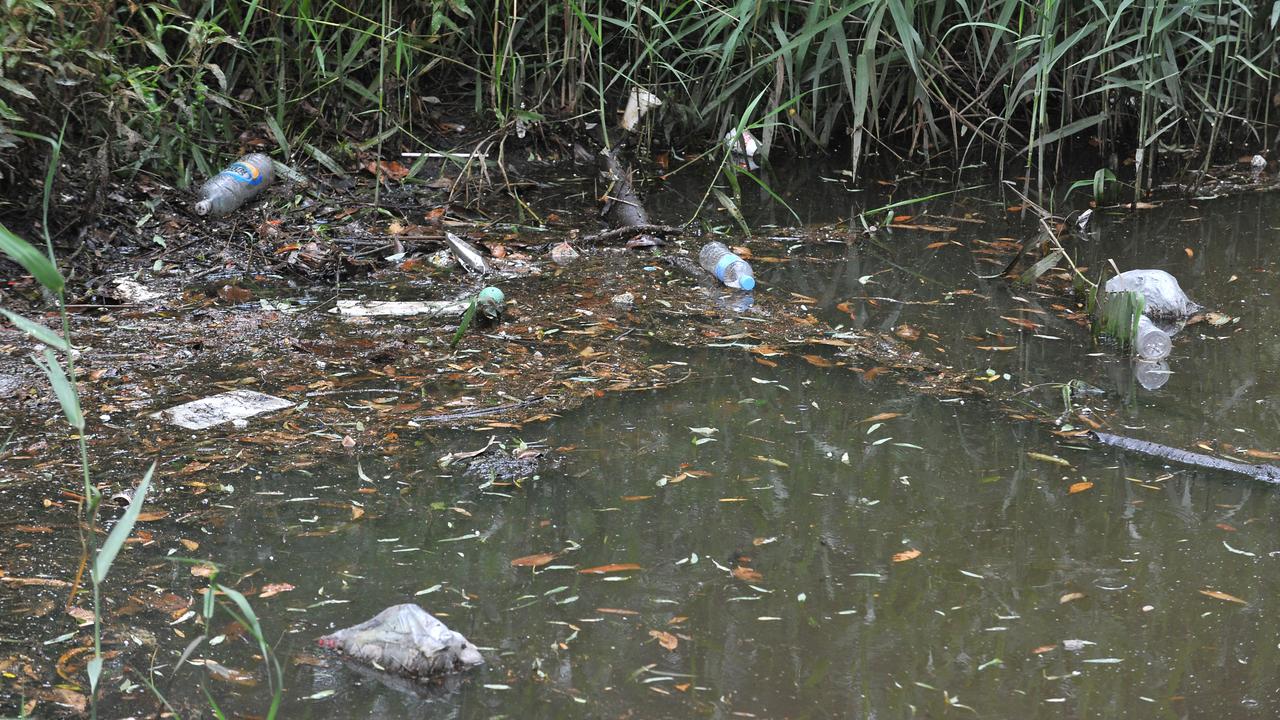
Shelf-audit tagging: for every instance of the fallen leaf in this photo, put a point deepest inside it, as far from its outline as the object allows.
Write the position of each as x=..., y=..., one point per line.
x=906, y=555
x=1079, y=487
x=1069, y=597
x=818, y=361
x=1219, y=595
x=1021, y=322
x=747, y=574
x=616, y=611
x=907, y=332
x=665, y=639
x=611, y=568
x=152, y=515
x=274, y=589
x=190, y=545
x=1043, y=649
x=1048, y=458
x=533, y=561
x=391, y=169
x=881, y=417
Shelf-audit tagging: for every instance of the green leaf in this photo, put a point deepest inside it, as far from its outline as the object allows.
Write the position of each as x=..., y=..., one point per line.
x=467, y=317
x=120, y=533
x=37, y=331
x=63, y=388
x=94, y=668
x=32, y=260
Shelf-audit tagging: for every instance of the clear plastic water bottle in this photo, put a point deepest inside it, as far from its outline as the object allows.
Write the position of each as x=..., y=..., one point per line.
x=728, y=268
x=1153, y=343
x=230, y=188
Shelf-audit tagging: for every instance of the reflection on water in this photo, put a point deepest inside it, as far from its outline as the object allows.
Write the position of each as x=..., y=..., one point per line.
x=813, y=560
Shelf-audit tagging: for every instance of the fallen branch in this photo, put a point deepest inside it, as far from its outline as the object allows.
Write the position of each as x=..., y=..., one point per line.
x=1265, y=473
x=629, y=231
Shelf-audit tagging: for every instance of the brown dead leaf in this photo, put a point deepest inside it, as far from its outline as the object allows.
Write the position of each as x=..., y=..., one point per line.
x=818, y=361
x=1079, y=487
x=747, y=574
x=906, y=555
x=152, y=515
x=873, y=373
x=665, y=639
x=610, y=568
x=1262, y=454
x=1070, y=597
x=1043, y=649
x=910, y=333
x=879, y=417
x=1219, y=595
x=616, y=611
x=1021, y=322
x=533, y=561
x=274, y=589
x=203, y=570
x=387, y=168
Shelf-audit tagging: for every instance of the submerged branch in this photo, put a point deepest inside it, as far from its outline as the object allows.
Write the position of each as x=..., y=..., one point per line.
x=1265, y=473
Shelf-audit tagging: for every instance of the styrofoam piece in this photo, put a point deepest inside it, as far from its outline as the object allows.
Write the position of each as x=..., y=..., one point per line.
x=399, y=308
x=225, y=407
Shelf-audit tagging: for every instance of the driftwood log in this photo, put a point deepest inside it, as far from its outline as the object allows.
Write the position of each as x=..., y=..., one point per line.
x=622, y=205
x=1265, y=473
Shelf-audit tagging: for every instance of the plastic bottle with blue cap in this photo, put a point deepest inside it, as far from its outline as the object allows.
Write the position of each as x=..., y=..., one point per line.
x=717, y=259
x=241, y=181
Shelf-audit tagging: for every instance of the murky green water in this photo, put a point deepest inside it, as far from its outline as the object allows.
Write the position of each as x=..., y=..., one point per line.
x=1011, y=598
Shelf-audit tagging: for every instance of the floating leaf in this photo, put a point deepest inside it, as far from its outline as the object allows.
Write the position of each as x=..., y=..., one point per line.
x=665, y=639
x=1079, y=487
x=882, y=416
x=906, y=555
x=611, y=568
x=1219, y=595
x=1048, y=458
x=1070, y=597
x=534, y=561
x=747, y=574
x=274, y=589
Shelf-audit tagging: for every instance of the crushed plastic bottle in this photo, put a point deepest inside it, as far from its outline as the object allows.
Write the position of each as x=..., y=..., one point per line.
x=1165, y=298
x=1152, y=343
x=717, y=259
x=231, y=188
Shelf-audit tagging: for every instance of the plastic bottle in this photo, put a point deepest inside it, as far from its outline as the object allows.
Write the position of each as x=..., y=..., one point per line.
x=1153, y=343
x=728, y=268
x=230, y=188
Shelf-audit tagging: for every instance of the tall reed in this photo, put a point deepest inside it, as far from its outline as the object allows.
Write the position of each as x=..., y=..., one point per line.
x=172, y=86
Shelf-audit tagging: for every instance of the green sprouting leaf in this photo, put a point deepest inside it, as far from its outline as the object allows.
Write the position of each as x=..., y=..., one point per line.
x=62, y=387
x=32, y=260
x=37, y=331
x=120, y=533
x=1034, y=272
x=467, y=317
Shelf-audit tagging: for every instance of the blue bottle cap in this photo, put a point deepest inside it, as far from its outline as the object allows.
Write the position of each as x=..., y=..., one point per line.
x=747, y=283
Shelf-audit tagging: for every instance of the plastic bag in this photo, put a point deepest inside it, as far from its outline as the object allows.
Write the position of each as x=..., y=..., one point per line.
x=406, y=639
x=1165, y=298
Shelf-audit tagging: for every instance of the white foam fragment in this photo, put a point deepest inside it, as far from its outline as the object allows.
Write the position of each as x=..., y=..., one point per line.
x=218, y=409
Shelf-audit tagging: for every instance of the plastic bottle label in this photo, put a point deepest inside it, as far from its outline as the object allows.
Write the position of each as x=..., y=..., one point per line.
x=244, y=173
x=724, y=264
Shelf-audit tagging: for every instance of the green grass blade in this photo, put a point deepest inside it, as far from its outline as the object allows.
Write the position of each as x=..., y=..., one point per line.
x=115, y=540
x=37, y=331
x=31, y=260
x=67, y=396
